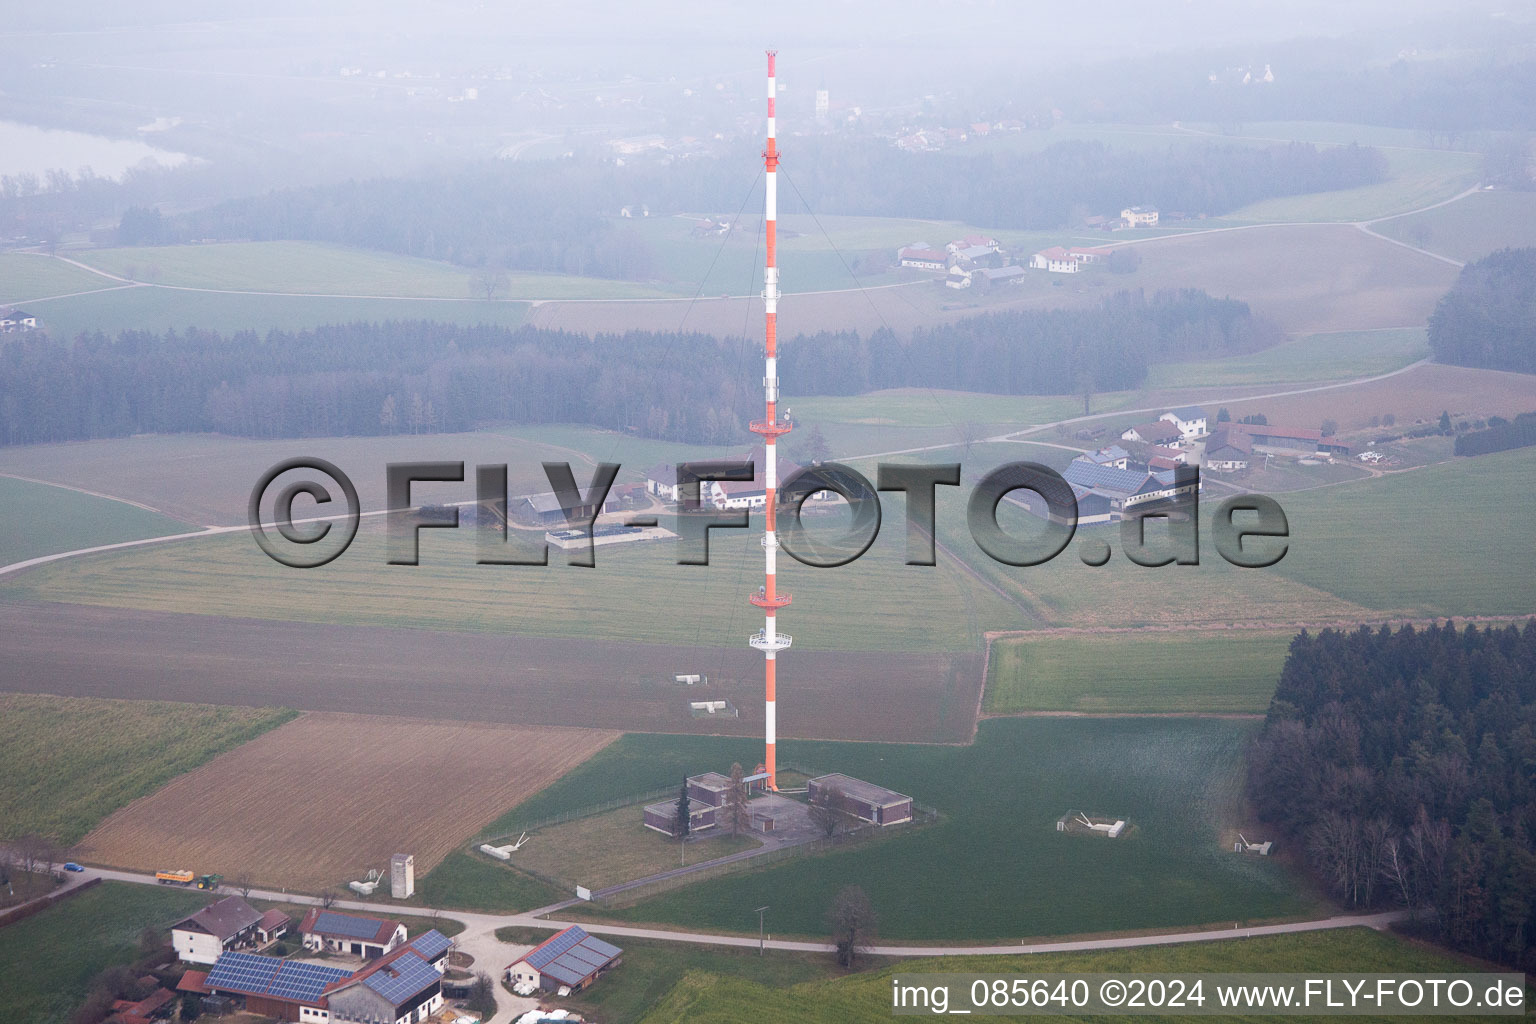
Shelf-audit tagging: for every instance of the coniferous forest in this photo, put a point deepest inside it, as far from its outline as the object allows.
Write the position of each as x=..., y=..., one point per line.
x=1488, y=318
x=421, y=376
x=1403, y=765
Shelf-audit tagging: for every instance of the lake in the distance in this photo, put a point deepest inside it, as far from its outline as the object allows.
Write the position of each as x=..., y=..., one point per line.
x=28, y=149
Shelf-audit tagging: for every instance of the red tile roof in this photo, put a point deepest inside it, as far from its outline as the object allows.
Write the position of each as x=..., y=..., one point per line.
x=194, y=981
x=272, y=920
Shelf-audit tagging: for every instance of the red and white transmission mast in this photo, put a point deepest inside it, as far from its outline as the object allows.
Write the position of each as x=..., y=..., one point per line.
x=769, y=640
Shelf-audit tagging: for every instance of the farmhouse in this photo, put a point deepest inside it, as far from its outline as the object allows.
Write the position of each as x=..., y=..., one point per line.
x=1113, y=455
x=227, y=924
x=923, y=258
x=1139, y=216
x=864, y=800
x=971, y=242
x=1090, y=254
x=958, y=277
x=1156, y=432
x=367, y=937
x=274, y=924
x=1123, y=489
x=1228, y=451
x=737, y=494
x=1190, y=419
x=661, y=481
x=17, y=320
x=569, y=960
x=1056, y=260
x=1173, y=456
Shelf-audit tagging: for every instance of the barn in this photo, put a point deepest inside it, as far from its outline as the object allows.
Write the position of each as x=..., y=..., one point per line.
x=865, y=800
x=399, y=987
x=571, y=959
x=367, y=937
x=284, y=989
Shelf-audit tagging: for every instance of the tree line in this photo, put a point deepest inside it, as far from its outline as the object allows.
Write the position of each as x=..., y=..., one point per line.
x=1500, y=436
x=1488, y=318
x=424, y=377
x=1400, y=763
x=563, y=217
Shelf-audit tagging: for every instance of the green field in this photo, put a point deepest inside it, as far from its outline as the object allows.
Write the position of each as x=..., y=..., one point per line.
x=651, y=969
x=1416, y=178
x=1215, y=672
x=52, y=958
x=28, y=276
x=67, y=763
x=1441, y=540
x=44, y=520
x=160, y=309
x=1471, y=227
x=1342, y=355
x=872, y=601
x=316, y=268
x=474, y=882
x=979, y=872
x=715, y=997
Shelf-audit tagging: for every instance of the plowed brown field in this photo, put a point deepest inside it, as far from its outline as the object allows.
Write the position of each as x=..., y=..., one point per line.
x=319, y=801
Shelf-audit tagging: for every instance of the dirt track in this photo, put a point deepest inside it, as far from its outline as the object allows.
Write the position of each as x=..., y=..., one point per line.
x=76, y=650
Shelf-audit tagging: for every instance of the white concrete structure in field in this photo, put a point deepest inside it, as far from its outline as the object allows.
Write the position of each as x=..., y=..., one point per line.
x=402, y=876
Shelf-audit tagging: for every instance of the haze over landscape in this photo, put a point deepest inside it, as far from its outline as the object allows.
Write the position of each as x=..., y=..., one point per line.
x=1205, y=267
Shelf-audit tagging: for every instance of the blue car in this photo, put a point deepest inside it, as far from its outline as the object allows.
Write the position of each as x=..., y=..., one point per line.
x=72, y=866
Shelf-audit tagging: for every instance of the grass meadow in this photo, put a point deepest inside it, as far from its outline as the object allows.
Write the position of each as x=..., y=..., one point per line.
x=67, y=763
x=160, y=309
x=28, y=276
x=43, y=520
x=720, y=995
x=52, y=958
x=317, y=268
x=1229, y=671
x=1471, y=227
x=1342, y=355
x=994, y=867
x=876, y=601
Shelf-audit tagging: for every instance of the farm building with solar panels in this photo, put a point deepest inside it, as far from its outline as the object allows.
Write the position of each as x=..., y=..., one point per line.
x=226, y=925
x=406, y=985
x=864, y=800
x=367, y=937
x=285, y=989
x=568, y=960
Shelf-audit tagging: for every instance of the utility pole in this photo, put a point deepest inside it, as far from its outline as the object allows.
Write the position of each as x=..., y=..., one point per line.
x=760, y=930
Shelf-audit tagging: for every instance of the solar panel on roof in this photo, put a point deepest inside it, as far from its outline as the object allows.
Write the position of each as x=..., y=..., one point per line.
x=349, y=927
x=403, y=978
x=250, y=974
x=431, y=944
x=555, y=946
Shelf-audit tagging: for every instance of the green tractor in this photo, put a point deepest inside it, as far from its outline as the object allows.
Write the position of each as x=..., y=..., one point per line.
x=210, y=882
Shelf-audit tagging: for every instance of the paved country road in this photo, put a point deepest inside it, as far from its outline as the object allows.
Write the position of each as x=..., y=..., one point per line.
x=493, y=956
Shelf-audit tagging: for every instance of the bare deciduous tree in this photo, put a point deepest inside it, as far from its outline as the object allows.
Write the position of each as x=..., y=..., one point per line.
x=491, y=282
x=827, y=811
x=737, y=818
x=853, y=922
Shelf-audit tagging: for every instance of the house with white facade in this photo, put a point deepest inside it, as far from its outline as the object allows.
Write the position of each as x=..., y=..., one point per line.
x=1190, y=419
